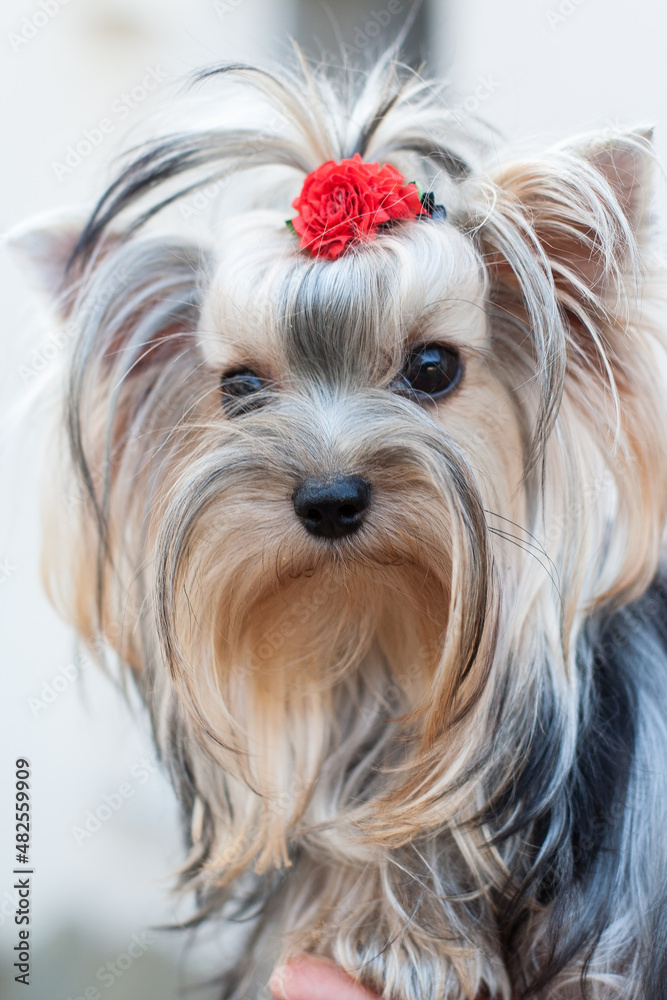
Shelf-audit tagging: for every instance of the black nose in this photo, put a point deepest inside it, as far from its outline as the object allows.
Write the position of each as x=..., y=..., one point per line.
x=331, y=508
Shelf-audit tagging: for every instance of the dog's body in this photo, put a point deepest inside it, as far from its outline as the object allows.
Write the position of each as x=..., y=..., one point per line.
x=430, y=745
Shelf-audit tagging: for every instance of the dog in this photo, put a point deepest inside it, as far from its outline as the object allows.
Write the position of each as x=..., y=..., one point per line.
x=374, y=490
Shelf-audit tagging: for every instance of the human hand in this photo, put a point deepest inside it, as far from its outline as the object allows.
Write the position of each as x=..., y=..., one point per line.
x=315, y=979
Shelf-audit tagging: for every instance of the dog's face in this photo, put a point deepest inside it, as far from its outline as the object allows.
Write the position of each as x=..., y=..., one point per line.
x=312, y=475
x=341, y=516
x=352, y=448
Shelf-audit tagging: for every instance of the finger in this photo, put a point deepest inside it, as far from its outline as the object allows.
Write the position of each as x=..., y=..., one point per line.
x=315, y=979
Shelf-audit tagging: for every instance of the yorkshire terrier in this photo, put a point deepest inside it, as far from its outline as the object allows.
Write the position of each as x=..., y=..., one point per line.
x=374, y=501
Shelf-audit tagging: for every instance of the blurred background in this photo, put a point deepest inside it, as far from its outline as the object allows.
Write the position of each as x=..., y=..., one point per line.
x=537, y=70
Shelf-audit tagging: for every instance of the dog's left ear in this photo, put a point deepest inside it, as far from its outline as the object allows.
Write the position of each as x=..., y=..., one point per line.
x=626, y=162
x=565, y=242
x=584, y=204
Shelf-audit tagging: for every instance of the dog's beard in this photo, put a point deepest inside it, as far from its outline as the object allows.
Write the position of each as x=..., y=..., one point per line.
x=323, y=688
x=272, y=635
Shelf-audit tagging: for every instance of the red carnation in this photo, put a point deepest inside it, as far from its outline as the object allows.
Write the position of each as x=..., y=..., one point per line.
x=346, y=201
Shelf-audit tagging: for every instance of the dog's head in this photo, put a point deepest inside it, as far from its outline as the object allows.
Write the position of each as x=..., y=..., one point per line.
x=338, y=515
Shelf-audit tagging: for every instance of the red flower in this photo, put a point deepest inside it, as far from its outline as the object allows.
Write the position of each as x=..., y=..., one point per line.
x=347, y=201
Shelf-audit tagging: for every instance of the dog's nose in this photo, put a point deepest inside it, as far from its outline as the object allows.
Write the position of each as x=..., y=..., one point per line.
x=331, y=508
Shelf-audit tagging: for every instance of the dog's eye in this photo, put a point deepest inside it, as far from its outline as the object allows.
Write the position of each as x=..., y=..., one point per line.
x=429, y=370
x=240, y=390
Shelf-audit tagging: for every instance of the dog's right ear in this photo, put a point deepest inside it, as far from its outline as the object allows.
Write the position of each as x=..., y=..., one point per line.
x=44, y=246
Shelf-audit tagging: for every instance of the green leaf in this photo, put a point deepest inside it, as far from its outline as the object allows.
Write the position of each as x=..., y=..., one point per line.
x=290, y=226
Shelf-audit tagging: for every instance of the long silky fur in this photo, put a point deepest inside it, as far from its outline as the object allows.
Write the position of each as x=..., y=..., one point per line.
x=435, y=752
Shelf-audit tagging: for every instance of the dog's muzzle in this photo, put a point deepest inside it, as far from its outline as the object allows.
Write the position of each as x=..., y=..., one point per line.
x=332, y=508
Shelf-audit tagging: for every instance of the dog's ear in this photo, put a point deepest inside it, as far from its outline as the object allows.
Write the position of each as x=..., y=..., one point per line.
x=585, y=204
x=564, y=241
x=567, y=246
x=44, y=246
x=626, y=162
x=134, y=300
